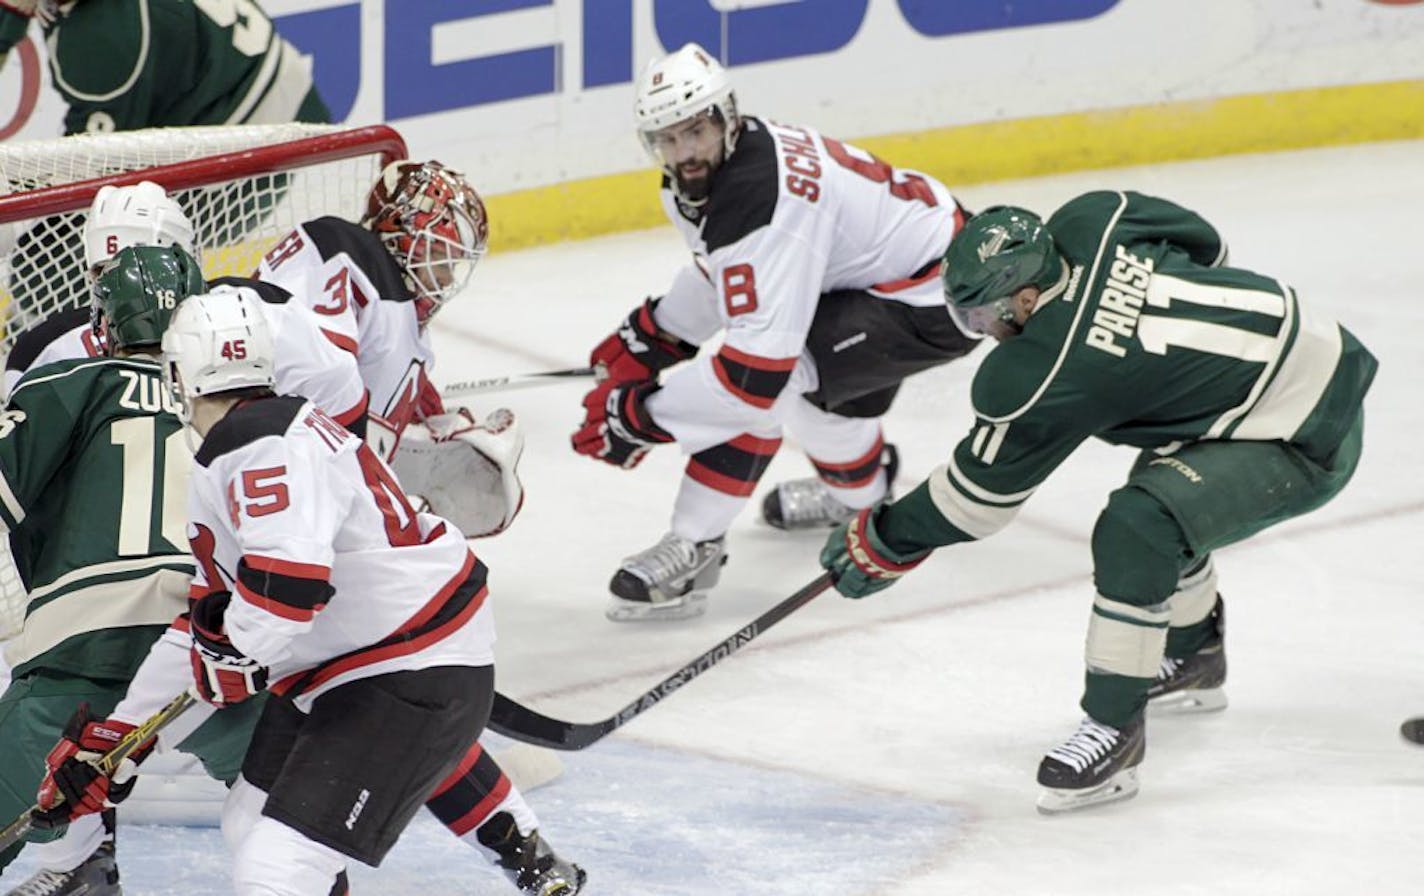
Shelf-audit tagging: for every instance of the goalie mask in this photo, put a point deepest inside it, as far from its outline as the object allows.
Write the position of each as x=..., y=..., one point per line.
x=999, y=252
x=434, y=223
x=217, y=342
x=138, y=215
x=136, y=292
x=682, y=87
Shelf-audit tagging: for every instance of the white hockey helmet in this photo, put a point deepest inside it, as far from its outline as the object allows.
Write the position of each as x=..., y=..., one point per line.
x=217, y=342
x=139, y=215
x=681, y=86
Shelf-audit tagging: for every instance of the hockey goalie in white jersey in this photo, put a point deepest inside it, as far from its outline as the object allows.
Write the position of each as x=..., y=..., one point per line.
x=376, y=285
x=819, y=262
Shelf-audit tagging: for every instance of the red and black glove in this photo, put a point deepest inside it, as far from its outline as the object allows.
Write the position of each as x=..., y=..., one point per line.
x=222, y=674
x=638, y=350
x=73, y=784
x=617, y=428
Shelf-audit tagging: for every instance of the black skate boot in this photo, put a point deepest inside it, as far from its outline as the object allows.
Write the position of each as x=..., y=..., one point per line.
x=1194, y=684
x=668, y=581
x=1097, y=765
x=528, y=861
x=97, y=875
x=808, y=504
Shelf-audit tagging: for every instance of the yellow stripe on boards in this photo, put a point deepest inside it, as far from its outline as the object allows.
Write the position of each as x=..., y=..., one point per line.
x=1024, y=147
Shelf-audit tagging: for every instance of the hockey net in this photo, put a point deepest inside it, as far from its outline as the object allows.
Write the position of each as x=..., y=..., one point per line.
x=243, y=187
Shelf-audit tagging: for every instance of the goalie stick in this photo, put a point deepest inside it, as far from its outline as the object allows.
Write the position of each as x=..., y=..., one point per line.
x=513, y=381
x=524, y=724
x=110, y=761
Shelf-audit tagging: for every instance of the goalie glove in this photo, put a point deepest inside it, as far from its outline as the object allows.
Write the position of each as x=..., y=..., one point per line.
x=222, y=674
x=465, y=470
x=859, y=560
x=638, y=349
x=73, y=784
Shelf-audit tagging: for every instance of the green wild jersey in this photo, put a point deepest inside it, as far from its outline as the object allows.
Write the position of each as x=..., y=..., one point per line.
x=93, y=489
x=1145, y=342
x=124, y=65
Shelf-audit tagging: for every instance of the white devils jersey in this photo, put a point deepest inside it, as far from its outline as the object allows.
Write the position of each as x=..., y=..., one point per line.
x=305, y=362
x=62, y=336
x=344, y=274
x=333, y=576
x=792, y=215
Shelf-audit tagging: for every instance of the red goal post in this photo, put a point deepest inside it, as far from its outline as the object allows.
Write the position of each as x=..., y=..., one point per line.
x=242, y=186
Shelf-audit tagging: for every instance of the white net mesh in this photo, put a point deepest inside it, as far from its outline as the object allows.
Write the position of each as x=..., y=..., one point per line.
x=243, y=187
x=238, y=207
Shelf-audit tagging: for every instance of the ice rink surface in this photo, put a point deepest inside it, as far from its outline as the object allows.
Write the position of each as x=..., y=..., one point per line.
x=887, y=747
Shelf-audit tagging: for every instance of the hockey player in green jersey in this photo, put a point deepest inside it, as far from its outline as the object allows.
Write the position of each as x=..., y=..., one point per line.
x=93, y=481
x=122, y=65
x=1117, y=319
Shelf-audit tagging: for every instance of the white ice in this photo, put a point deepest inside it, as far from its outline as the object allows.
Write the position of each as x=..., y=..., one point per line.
x=888, y=746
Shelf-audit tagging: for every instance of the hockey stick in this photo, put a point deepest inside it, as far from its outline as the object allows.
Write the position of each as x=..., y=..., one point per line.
x=110, y=761
x=524, y=724
x=513, y=381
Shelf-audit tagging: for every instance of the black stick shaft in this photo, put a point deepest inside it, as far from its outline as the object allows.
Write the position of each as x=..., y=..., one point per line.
x=524, y=724
x=513, y=381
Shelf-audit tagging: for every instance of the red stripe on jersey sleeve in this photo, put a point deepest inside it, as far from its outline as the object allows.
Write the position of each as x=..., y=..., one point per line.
x=343, y=342
x=288, y=567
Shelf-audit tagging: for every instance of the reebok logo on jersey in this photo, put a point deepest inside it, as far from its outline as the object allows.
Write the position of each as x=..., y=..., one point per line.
x=356, y=809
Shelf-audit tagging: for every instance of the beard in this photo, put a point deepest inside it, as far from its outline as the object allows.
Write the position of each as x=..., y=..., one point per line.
x=694, y=189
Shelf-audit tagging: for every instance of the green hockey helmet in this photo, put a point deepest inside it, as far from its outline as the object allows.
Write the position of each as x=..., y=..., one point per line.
x=137, y=291
x=1000, y=251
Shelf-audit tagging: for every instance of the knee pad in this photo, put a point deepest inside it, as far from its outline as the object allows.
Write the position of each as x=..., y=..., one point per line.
x=275, y=860
x=1138, y=549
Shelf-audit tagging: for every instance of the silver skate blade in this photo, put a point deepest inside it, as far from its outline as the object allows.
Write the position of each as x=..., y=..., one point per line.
x=1188, y=702
x=1119, y=787
x=688, y=606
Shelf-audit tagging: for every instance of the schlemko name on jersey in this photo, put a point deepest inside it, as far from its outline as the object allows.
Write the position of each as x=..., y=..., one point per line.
x=1120, y=304
x=803, y=163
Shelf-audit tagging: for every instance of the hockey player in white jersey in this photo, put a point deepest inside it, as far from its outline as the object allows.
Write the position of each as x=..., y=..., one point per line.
x=376, y=285
x=820, y=263
x=365, y=616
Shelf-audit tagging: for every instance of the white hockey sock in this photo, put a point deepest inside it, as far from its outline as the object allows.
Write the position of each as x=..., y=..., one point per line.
x=78, y=843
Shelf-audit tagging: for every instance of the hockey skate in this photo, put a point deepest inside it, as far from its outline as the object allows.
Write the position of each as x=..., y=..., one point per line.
x=1097, y=765
x=97, y=875
x=668, y=581
x=808, y=504
x=1193, y=684
x=528, y=861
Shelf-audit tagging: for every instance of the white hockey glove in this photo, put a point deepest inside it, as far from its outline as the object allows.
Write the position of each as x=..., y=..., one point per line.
x=466, y=471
